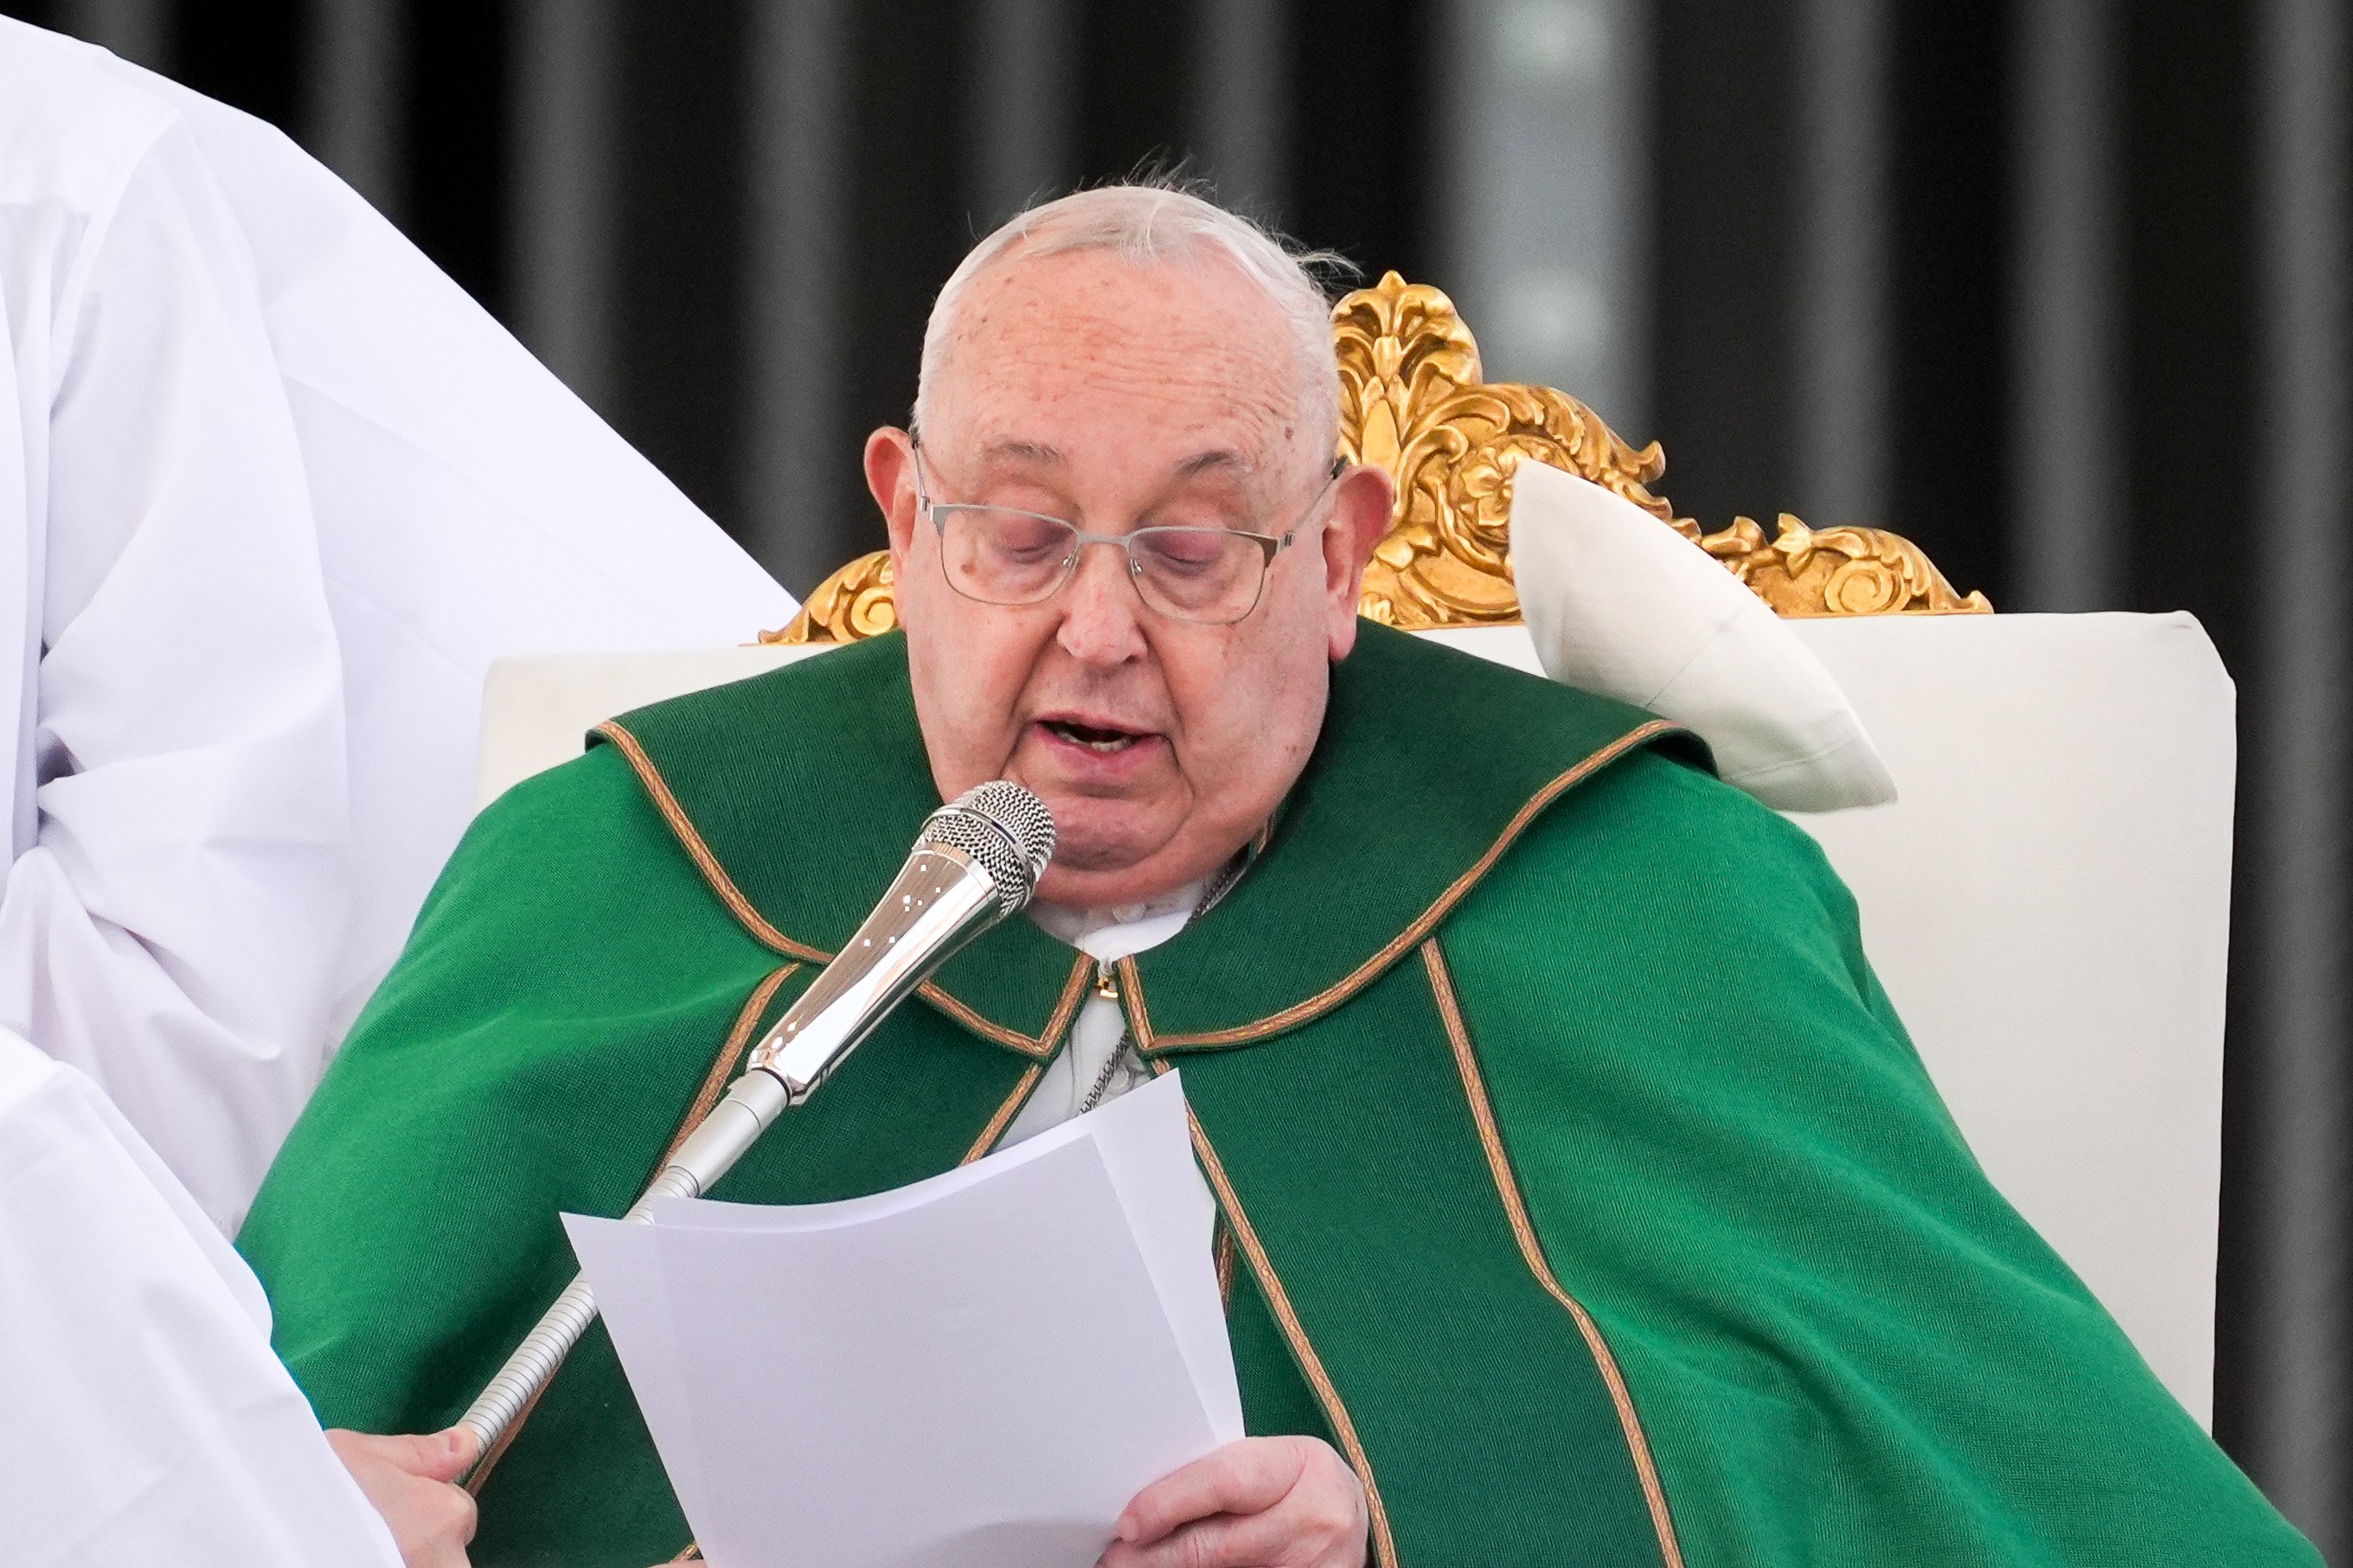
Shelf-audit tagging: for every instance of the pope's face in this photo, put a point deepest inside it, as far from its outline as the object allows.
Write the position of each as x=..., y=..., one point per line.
x=1117, y=396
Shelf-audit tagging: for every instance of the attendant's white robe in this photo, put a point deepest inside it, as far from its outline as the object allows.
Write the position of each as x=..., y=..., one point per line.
x=146, y=1421
x=468, y=506
x=171, y=701
x=273, y=493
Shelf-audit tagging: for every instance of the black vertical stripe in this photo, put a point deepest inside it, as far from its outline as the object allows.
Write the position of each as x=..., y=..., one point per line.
x=679, y=393
x=2190, y=390
x=1949, y=189
x=1362, y=150
x=244, y=52
x=1724, y=148
x=456, y=96
x=1136, y=64
x=2189, y=322
x=910, y=225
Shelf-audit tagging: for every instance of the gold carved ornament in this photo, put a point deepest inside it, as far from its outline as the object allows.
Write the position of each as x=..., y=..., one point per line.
x=854, y=603
x=1412, y=403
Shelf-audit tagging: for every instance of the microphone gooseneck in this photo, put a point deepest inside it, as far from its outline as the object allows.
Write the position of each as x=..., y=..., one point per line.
x=976, y=861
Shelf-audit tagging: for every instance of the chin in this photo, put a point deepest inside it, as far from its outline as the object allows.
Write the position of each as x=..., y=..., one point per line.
x=1101, y=851
x=1098, y=831
x=1080, y=853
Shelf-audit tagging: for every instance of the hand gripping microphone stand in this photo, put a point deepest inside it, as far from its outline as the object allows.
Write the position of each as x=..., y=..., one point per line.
x=977, y=860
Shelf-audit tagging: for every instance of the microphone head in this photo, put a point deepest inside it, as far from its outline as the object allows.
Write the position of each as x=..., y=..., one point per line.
x=1005, y=828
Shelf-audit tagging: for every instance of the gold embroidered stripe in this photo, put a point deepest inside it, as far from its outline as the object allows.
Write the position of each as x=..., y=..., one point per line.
x=1279, y=1301
x=1004, y=1114
x=1364, y=973
x=1441, y=986
x=489, y=1462
x=698, y=851
x=728, y=893
x=1042, y=1045
x=714, y=1082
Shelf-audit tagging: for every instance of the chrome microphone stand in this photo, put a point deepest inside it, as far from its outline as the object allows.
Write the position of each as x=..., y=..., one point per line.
x=976, y=861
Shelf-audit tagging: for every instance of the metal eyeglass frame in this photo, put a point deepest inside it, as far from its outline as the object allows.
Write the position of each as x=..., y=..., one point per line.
x=1272, y=544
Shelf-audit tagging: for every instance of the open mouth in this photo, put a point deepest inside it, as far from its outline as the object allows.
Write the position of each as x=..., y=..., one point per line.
x=1090, y=737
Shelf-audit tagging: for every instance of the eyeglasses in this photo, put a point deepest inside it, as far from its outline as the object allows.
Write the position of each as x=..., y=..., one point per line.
x=999, y=555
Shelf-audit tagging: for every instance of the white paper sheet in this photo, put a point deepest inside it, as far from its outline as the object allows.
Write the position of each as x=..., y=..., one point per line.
x=978, y=1369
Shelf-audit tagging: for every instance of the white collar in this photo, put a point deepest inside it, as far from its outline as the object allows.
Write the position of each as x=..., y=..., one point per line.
x=1123, y=930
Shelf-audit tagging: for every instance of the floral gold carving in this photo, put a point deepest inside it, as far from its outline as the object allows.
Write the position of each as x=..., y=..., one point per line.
x=1412, y=403
x=1834, y=571
x=854, y=603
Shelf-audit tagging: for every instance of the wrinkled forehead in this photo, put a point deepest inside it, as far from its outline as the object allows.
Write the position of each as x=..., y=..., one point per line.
x=1183, y=364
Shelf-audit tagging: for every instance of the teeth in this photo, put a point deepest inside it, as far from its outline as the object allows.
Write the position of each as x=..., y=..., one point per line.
x=1114, y=743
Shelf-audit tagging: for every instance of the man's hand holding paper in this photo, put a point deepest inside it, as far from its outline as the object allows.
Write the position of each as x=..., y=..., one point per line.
x=1263, y=1502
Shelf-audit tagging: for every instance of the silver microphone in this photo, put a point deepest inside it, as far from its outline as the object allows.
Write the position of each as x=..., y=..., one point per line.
x=976, y=860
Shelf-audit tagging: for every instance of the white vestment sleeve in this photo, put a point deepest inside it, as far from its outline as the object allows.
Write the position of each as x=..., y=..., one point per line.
x=171, y=921
x=469, y=507
x=274, y=493
x=146, y=1420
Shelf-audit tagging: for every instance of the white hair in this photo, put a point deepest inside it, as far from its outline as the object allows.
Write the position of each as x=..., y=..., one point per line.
x=1163, y=222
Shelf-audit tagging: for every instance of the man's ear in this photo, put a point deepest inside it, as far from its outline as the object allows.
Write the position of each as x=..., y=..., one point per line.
x=1362, y=499
x=890, y=480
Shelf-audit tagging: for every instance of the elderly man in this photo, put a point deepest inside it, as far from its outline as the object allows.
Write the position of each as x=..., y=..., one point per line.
x=1581, y=1199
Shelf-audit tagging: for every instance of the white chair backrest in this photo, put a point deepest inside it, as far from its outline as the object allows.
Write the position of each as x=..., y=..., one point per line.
x=2047, y=904
x=537, y=711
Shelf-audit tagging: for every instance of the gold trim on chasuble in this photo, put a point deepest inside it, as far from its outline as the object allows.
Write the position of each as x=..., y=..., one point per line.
x=714, y=1084
x=481, y=1476
x=730, y=1051
x=1356, y=979
x=1005, y=1114
x=1278, y=1301
x=723, y=886
x=690, y=839
x=1507, y=1187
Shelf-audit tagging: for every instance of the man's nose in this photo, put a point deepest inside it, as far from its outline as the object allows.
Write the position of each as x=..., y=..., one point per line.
x=1100, y=609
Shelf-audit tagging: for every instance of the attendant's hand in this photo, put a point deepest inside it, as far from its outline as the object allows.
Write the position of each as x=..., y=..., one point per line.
x=411, y=1481
x=1263, y=1502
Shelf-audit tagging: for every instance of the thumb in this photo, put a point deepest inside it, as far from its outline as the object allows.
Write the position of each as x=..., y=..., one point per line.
x=432, y=1456
x=455, y=1449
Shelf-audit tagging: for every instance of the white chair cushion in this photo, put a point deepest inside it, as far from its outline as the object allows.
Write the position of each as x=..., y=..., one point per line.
x=1618, y=604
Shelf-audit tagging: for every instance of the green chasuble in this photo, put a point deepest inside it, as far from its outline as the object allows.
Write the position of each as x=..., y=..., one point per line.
x=1578, y=1181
